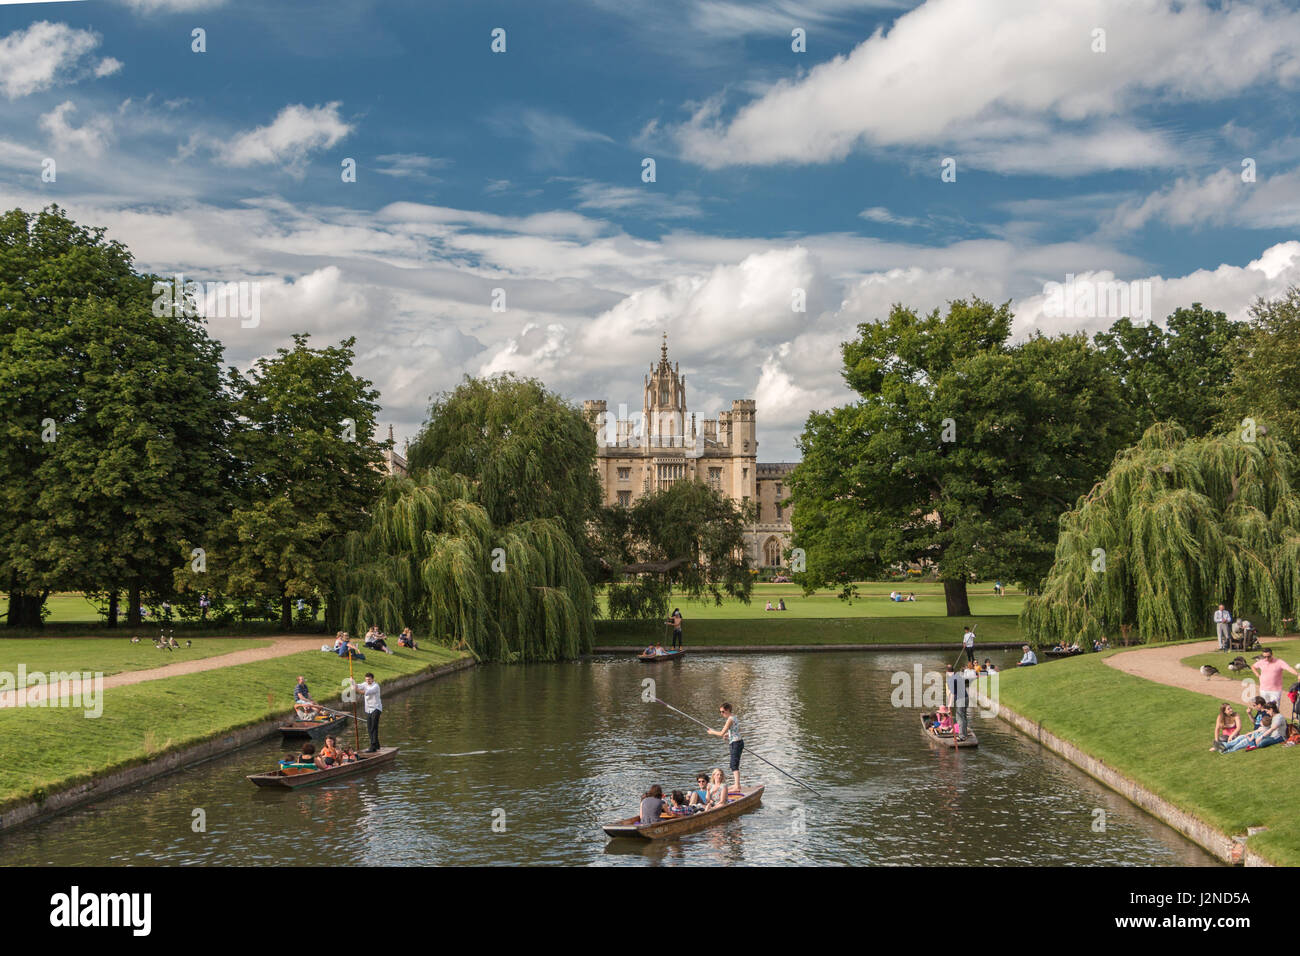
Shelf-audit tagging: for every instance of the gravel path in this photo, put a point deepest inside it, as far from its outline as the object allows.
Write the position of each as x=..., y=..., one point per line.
x=279, y=647
x=1161, y=664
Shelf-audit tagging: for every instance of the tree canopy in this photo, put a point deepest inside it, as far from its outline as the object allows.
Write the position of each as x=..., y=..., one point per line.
x=431, y=557
x=529, y=450
x=1266, y=376
x=1178, y=526
x=1179, y=372
x=686, y=539
x=960, y=454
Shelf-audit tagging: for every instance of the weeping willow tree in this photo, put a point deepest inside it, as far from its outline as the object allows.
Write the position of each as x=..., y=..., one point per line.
x=432, y=558
x=1177, y=527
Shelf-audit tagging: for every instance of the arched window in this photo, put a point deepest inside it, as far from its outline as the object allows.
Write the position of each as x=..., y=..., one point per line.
x=772, y=552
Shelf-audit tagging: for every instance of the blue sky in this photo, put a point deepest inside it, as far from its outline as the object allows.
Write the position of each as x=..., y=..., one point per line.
x=1115, y=158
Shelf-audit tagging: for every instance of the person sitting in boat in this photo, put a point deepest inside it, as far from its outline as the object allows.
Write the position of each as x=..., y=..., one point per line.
x=699, y=797
x=660, y=650
x=652, y=805
x=649, y=651
x=308, y=755
x=680, y=805
x=407, y=639
x=330, y=755
x=347, y=755
x=717, y=791
x=303, y=705
x=944, y=722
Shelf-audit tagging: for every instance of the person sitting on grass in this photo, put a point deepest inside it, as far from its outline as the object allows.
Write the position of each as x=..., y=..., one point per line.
x=769, y=606
x=1029, y=659
x=1271, y=731
x=1256, y=712
x=780, y=604
x=407, y=639
x=1226, y=726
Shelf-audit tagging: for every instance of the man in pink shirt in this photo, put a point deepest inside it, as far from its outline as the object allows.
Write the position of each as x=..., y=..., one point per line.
x=1269, y=671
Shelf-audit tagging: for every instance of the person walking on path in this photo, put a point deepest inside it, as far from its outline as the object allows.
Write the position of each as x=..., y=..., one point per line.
x=731, y=730
x=374, y=708
x=1223, y=624
x=1269, y=671
x=968, y=642
x=959, y=700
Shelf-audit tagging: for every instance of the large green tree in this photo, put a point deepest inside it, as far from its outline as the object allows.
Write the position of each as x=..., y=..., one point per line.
x=529, y=450
x=960, y=454
x=1178, y=372
x=308, y=470
x=1266, y=376
x=109, y=415
x=686, y=539
x=431, y=557
x=1177, y=527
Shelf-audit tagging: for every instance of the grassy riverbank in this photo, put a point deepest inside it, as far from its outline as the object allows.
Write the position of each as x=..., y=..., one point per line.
x=108, y=655
x=772, y=630
x=1160, y=737
x=61, y=746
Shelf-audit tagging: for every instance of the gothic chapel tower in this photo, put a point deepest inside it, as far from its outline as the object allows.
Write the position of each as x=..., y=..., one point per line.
x=665, y=403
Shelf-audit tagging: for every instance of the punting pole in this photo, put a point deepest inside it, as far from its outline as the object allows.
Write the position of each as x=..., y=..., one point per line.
x=760, y=757
x=356, y=729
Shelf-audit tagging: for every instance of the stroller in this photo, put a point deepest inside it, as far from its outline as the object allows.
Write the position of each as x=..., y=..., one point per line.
x=1245, y=637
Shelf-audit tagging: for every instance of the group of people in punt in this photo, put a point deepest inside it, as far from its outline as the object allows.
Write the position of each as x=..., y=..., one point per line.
x=710, y=791
x=329, y=755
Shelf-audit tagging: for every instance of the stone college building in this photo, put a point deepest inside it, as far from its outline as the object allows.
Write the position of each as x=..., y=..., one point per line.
x=665, y=444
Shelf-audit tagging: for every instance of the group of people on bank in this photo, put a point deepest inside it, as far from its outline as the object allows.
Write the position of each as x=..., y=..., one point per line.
x=1267, y=724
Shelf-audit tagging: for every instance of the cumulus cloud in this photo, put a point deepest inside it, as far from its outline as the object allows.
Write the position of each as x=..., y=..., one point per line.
x=42, y=56
x=295, y=133
x=90, y=138
x=1010, y=84
x=1218, y=198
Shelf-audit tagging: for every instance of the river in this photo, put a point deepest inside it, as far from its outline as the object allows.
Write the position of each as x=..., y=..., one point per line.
x=520, y=765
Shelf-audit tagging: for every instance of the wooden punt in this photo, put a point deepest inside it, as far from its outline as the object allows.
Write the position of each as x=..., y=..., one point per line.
x=655, y=658
x=305, y=728
x=675, y=826
x=947, y=740
x=292, y=779
x=1055, y=652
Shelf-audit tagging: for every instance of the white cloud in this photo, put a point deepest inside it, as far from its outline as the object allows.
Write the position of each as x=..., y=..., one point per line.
x=1010, y=85
x=553, y=136
x=408, y=165
x=41, y=56
x=1219, y=198
x=295, y=132
x=107, y=67
x=91, y=138
x=171, y=6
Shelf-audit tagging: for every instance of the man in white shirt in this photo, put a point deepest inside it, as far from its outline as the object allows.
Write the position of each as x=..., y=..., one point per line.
x=1223, y=623
x=374, y=707
x=1030, y=658
x=968, y=642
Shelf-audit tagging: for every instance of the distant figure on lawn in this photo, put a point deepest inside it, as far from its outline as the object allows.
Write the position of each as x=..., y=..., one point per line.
x=780, y=604
x=1223, y=624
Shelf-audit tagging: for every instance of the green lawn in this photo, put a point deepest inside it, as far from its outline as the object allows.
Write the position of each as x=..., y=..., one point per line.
x=61, y=746
x=108, y=655
x=1160, y=736
x=822, y=618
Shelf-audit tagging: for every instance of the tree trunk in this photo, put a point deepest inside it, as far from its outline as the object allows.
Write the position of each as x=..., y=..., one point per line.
x=24, y=609
x=133, y=612
x=954, y=593
x=112, y=609
x=286, y=614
